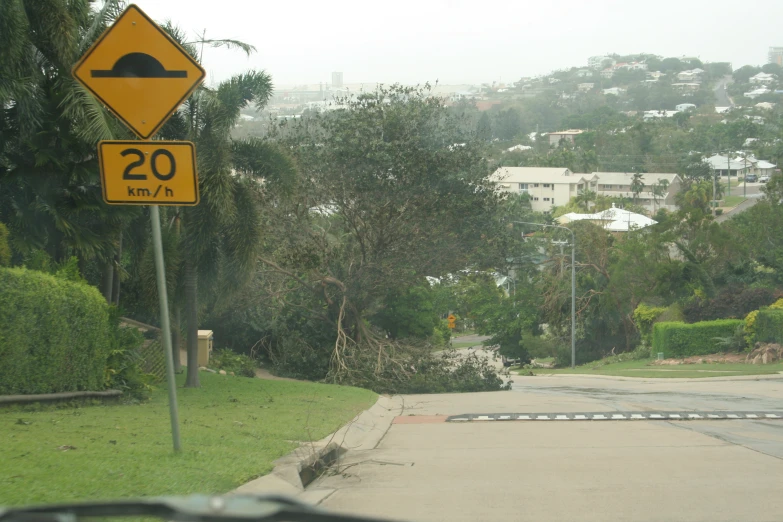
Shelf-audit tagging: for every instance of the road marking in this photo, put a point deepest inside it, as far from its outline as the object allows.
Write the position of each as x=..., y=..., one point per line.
x=617, y=416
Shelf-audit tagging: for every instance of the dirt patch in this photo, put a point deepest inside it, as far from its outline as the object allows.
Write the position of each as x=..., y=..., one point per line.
x=699, y=359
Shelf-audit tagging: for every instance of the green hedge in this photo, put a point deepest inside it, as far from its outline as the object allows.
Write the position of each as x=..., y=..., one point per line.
x=55, y=334
x=676, y=339
x=769, y=326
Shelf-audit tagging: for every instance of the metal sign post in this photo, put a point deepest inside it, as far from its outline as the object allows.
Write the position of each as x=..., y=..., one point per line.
x=160, y=269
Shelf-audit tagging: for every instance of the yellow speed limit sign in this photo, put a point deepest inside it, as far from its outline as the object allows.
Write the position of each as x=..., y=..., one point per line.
x=452, y=321
x=148, y=172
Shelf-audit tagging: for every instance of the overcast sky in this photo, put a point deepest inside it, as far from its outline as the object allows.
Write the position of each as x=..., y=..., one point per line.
x=456, y=41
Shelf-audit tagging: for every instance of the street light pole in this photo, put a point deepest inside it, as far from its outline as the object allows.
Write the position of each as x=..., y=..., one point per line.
x=573, y=283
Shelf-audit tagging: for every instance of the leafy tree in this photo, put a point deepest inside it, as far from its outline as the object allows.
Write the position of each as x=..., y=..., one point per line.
x=385, y=198
x=484, y=127
x=672, y=65
x=743, y=74
x=408, y=312
x=508, y=124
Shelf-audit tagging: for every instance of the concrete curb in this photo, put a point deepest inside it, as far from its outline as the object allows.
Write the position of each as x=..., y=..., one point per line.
x=769, y=376
x=293, y=472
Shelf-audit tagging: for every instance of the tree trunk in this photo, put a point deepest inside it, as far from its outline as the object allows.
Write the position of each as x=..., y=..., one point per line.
x=107, y=282
x=191, y=317
x=115, y=293
x=176, y=338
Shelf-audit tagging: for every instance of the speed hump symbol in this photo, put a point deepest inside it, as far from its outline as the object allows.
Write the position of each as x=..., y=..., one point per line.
x=148, y=172
x=139, y=72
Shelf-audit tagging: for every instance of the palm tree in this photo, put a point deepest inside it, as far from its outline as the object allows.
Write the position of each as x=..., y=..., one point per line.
x=220, y=238
x=585, y=198
x=637, y=185
x=49, y=190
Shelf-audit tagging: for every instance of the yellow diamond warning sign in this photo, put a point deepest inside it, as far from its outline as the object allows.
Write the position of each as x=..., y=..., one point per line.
x=148, y=172
x=138, y=72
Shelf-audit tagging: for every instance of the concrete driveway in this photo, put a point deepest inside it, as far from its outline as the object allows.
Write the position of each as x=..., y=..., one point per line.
x=431, y=470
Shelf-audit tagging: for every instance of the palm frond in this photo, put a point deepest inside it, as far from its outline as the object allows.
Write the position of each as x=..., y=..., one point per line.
x=109, y=11
x=227, y=43
x=260, y=159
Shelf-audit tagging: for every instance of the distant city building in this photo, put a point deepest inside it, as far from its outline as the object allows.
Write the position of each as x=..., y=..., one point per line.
x=685, y=106
x=775, y=55
x=546, y=187
x=651, y=115
x=618, y=184
x=337, y=80
x=600, y=62
x=763, y=78
x=568, y=135
x=755, y=93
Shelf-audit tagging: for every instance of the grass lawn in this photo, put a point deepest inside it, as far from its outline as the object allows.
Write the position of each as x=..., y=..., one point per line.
x=455, y=344
x=732, y=201
x=643, y=368
x=232, y=429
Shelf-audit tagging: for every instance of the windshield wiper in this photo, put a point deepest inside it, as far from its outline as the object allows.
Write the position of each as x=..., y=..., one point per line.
x=202, y=508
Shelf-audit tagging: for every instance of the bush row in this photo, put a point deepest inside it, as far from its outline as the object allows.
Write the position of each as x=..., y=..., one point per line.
x=676, y=339
x=59, y=335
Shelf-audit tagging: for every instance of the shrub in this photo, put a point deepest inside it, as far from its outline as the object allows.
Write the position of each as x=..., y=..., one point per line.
x=441, y=334
x=644, y=317
x=732, y=303
x=769, y=326
x=777, y=305
x=230, y=361
x=55, y=335
x=749, y=329
x=293, y=357
x=123, y=367
x=677, y=339
x=5, y=250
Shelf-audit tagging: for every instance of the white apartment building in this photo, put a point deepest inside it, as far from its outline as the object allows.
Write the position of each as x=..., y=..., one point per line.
x=618, y=184
x=547, y=187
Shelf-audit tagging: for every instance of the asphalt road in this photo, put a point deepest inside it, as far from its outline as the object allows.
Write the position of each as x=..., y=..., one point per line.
x=430, y=470
x=721, y=96
x=752, y=191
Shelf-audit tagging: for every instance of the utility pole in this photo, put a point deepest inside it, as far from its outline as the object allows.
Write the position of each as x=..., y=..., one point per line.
x=728, y=172
x=745, y=175
x=573, y=283
x=714, y=189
